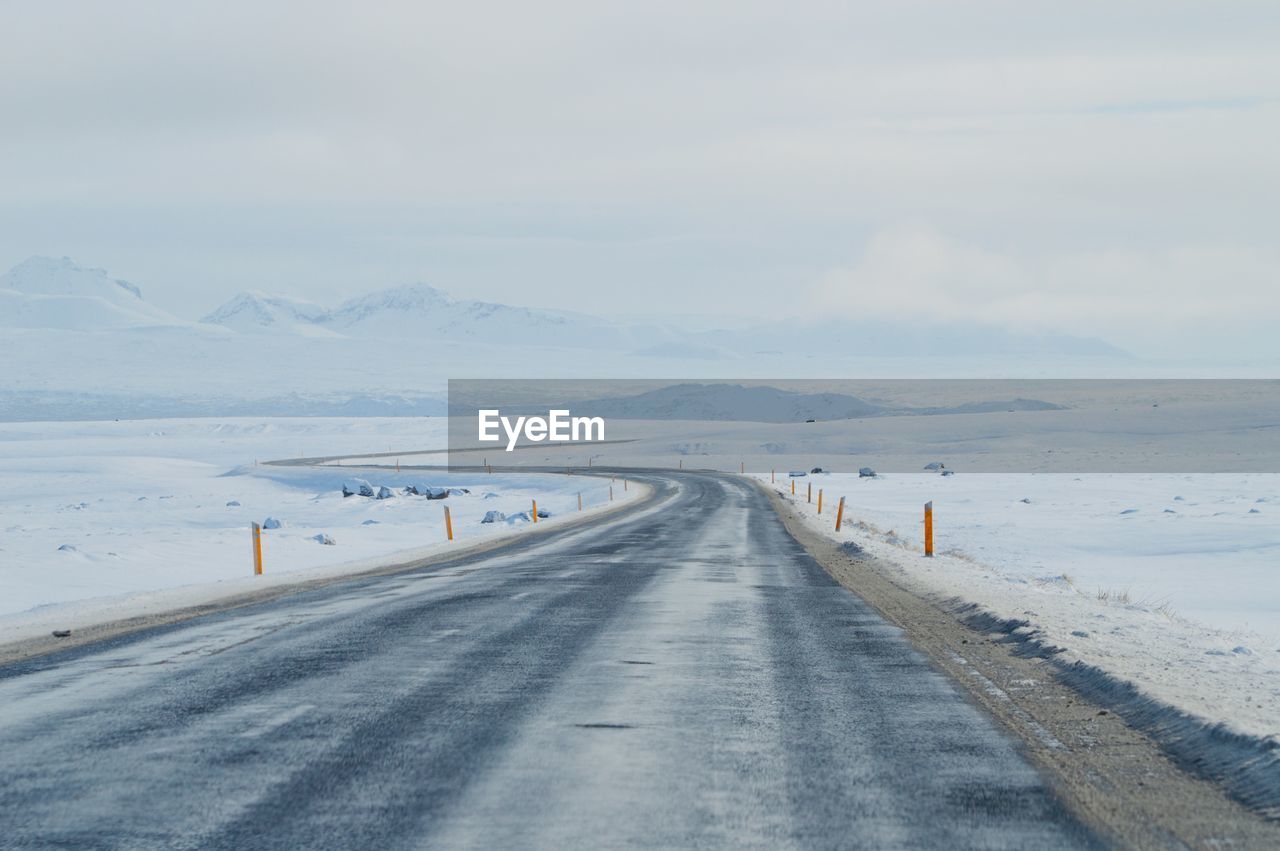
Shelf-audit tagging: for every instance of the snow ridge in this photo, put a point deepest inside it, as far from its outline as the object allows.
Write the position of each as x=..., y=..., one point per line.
x=1247, y=766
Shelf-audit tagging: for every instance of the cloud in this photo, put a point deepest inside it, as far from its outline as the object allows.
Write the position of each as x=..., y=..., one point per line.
x=1165, y=298
x=1091, y=154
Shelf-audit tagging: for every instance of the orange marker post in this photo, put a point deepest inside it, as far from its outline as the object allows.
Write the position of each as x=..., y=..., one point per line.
x=839, y=513
x=928, y=529
x=256, y=532
x=819, y=500
x=535, y=511
x=448, y=523
x=793, y=487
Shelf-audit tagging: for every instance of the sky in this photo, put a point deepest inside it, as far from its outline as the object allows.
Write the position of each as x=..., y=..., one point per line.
x=1104, y=169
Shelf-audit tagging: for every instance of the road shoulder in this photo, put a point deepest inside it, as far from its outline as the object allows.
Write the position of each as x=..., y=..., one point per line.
x=92, y=623
x=1114, y=777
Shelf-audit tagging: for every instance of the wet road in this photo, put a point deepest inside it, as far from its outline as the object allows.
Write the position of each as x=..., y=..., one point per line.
x=685, y=675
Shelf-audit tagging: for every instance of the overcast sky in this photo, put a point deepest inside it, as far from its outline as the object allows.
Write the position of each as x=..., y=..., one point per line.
x=1101, y=168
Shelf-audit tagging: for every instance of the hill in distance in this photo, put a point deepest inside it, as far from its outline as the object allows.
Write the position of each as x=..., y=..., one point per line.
x=74, y=333
x=47, y=292
x=253, y=312
x=765, y=404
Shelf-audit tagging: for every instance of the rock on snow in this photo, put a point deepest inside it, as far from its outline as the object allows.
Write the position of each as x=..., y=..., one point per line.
x=353, y=487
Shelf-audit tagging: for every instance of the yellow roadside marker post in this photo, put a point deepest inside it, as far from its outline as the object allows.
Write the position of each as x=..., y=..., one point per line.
x=839, y=514
x=448, y=523
x=256, y=533
x=535, y=511
x=793, y=487
x=819, y=500
x=928, y=529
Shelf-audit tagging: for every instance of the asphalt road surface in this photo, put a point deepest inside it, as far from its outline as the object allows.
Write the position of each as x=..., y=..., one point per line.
x=685, y=675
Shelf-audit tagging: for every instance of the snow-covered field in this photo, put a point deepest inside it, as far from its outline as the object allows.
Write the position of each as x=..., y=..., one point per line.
x=1168, y=581
x=103, y=509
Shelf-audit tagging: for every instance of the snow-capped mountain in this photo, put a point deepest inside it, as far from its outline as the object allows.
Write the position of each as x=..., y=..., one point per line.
x=419, y=310
x=47, y=292
x=404, y=311
x=78, y=344
x=254, y=312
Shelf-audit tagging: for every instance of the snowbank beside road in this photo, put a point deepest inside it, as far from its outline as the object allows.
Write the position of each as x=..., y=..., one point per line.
x=94, y=510
x=1185, y=606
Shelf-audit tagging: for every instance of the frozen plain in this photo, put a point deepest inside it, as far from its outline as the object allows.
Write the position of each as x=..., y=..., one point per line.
x=1190, y=615
x=114, y=511
x=1185, y=606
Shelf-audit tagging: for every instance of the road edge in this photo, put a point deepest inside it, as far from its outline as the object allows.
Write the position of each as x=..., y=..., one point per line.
x=27, y=649
x=1120, y=781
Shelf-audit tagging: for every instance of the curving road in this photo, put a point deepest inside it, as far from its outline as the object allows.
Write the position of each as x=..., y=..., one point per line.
x=682, y=675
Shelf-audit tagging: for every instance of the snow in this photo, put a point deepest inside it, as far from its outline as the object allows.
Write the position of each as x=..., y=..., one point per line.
x=44, y=292
x=104, y=509
x=1184, y=606
x=81, y=344
x=256, y=312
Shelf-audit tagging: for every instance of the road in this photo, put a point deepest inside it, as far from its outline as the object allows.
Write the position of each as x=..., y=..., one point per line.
x=681, y=675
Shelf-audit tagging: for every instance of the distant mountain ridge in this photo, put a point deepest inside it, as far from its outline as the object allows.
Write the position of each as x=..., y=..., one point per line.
x=48, y=292
x=254, y=312
x=872, y=338
x=759, y=403
x=45, y=292
x=419, y=310
x=76, y=333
